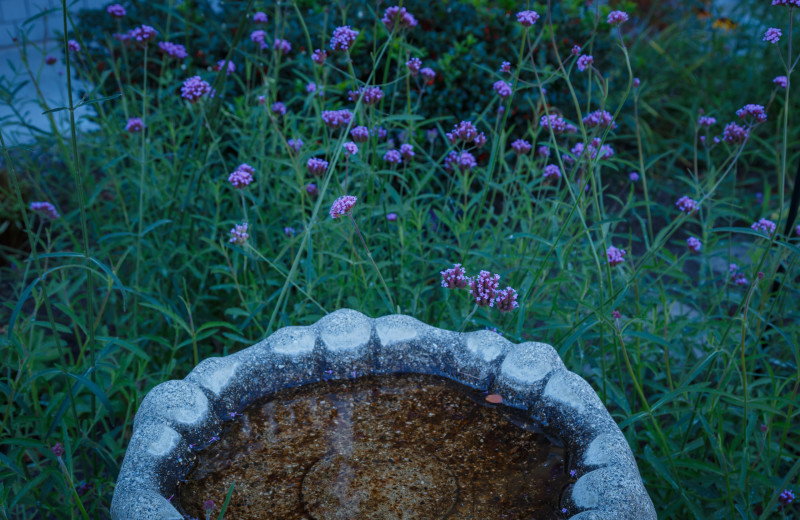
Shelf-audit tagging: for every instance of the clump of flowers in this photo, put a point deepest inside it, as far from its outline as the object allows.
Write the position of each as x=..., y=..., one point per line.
x=57, y=449
x=553, y=122
x=260, y=17
x=343, y=38
x=736, y=276
x=772, y=35
x=781, y=81
x=134, y=125
x=585, y=61
x=143, y=34
x=116, y=11
x=483, y=287
x=462, y=160
x=398, y=17
x=414, y=65
x=360, y=134
x=342, y=206
x=521, y=146
x=617, y=17
x=350, y=147
x=633, y=176
x=786, y=497
x=45, y=209
x=239, y=234
x=336, y=118
x=311, y=87
x=242, y=176
x=594, y=149
x=289, y=231
x=552, y=172
x=391, y=217
x=259, y=37
x=282, y=46
x=764, y=225
x=319, y=56
x=505, y=67
x=230, y=67
x=454, y=278
x=393, y=156
x=502, y=89
x=295, y=144
x=756, y=112
x=73, y=46
x=706, y=121
x=278, y=108
x=427, y=74
x=465, y=132
x=312, y=190
x=687, y=205
x=505, y=300
x=615, y=256
x=576, y=50
x=735, y=134
x=173, y=50
x=600, y=118
x=693, y=244
x=195, y=88
x=316, y=166
x=369, y=95
x=407, y=152
x=527, y=18
x=543, y=151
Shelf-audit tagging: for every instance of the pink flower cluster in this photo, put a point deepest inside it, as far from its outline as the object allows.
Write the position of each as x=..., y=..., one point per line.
x=337, y=118
x=360, y=134
x=737, y=277
x=350, y=147
x=521, y=146
x=316, y=166
x=319, y=56
x=584, y=62
x=173, y=50
x=756, y=112
x=282, y=46
x=260, y=17
x=239, y=234
x=73, y=46
x=393, y=156
x=116, y=11
x=427, y=74
x=781, y=81
x=259, y=37
x=342, y=206
x=134, y=125
x=600, y=118
x=764, y=225
x=706, y=121
x=343, y=38
x=369, y=95
x=735, y=134
x=454, y=278
x=617, y=17
x=551, y=171
x=398, y=17
x=687, y=205
x=45, y=209
x=527, y=18
x=467, y=133
x=230, y=67
x=143, y=34
x=278, y=108
x=414, y=65
x=484, y=288
x=195, y=88
x=554, y=122
x=295, y=144
x=502, y=89
x=615, y=256
x=242, y=176
x=772, y=35
x=594, y=149
x=462, y=160
x=693, y=244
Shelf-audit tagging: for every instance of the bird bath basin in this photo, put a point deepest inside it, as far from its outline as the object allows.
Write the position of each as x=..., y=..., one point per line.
x=359, y=418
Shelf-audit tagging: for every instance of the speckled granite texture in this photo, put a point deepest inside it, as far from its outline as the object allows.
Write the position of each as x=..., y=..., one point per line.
x=178, y=416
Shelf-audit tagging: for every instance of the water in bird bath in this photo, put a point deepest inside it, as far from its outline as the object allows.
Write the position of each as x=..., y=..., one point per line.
x=393, y=447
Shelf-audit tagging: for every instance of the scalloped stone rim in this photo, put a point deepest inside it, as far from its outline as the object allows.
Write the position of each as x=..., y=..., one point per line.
x=178, y=417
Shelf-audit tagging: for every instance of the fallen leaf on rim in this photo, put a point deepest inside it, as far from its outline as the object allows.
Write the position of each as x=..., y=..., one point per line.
x=494, y=398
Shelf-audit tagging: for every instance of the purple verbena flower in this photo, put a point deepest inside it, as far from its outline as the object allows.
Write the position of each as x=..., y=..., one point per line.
x=734, y=134
x=764, y=225
x=693, y=244
x=311, y=87
x=407, y=151
x=342, y=206
x=311, y=189
x=687, y=205
x=369, y=95
x=343, y=38
x=242, y=176
x=636, y=82
x=413, y=65
x=527, y=18
x=543, y=151
x=462, y=160
x=289, y=232
x=295, y=144
x=360, y=134
x=336, y=118
x=260, y=17
x=599, y=118
x=316, y=166
x=554, y=122
x=230, y=67
x=134, y=125
x=239, y=234
x=50, y=60
x=431, y=134
x=551, y=171
x=391, y=217
x=617, y=17
x=576, y=50
x=736, y=276
x=319, y=56
x=427, y=74
x=585, y=61
x=772, y=35
x=73, y=46
x=143, y=33
x=195, y=88
x=521, y=146
x=754, y=111
x=505, y=67
x=173, y=50
x=483, y=288
x=505, y=300
x=208, y=505
x=617, y=316
x=706, y=121
x=45, y=209
x=454, y=278
x=282, y=46
x=463, y=131
x=615, y=256
x=393, y=156
x=786, y=497
x=788, y=3
x=350, y=147
x=278, y=108
x=781, y=81
x=259, y=37
x=116, y=11
x=633, y=176
x=398, y=17
x=57, y=449
x=502, y=89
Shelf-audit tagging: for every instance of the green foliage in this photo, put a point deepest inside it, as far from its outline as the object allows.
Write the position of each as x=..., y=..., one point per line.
x=137, y=281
